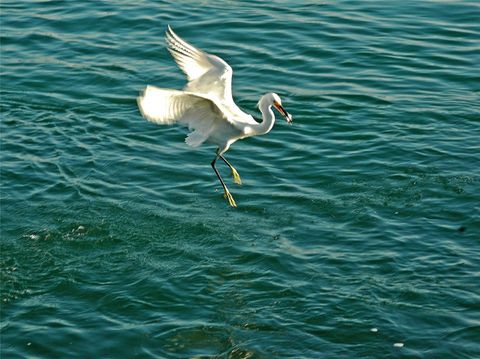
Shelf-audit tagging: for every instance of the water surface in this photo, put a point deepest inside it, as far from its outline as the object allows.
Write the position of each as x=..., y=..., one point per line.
x=358, y=227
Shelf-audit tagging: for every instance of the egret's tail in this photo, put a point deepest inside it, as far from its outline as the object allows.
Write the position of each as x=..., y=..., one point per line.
x=162, y=106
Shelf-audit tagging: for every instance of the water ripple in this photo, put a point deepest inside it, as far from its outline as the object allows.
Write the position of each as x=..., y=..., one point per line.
x=363, y=214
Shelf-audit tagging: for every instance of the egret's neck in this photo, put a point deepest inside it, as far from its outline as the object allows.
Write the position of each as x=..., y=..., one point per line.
x=268, y=119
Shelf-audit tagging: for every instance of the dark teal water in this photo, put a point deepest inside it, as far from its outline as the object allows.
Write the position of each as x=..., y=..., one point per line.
x=116, y=241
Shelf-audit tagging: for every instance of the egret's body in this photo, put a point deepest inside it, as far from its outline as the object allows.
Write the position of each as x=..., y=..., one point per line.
x=206, y=105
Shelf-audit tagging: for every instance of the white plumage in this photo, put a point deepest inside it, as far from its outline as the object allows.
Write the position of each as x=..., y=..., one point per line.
x=206, y=105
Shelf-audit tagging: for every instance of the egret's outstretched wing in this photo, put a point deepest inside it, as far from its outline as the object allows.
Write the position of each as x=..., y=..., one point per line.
x=193, y=62
x=165, y=106
x=206, y=73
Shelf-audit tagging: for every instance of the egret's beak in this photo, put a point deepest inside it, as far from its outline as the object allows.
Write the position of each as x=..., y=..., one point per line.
x=284, y=113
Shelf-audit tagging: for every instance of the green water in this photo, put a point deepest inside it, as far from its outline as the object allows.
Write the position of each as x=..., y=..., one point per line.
x=358, y=227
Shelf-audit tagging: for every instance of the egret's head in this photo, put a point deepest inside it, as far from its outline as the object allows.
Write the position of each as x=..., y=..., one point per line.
x=272, y=99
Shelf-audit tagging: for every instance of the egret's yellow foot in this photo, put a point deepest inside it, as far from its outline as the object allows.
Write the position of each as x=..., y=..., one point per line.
x=236, y=176
x=229, y=196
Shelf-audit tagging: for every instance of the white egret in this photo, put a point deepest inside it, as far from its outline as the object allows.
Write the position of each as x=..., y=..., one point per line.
x=206, y=105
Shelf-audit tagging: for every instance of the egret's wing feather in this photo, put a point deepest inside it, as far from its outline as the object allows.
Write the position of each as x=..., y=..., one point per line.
x=165, y=106
x=193, y=62
x=206, y=73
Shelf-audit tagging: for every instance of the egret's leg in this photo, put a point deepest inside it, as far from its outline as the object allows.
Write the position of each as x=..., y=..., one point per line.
x=235, y=175
x=228, y=195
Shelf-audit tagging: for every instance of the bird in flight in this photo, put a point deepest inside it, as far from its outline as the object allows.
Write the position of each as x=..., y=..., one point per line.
x=206, y=105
